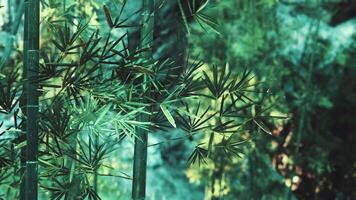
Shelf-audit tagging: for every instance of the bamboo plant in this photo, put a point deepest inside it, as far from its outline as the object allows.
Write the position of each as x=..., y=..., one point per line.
x=23, y=101
x=32, y=70
x=140, y=151
x=95, y=92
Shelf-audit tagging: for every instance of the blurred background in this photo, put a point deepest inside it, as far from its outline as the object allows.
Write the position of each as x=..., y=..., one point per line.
x=302, y=50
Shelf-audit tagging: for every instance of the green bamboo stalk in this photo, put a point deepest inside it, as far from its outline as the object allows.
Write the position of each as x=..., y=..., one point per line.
x=32, y=126
x=23, y=103
x=96, y=141
x=140, y=150
x=140, y=165
x=32, y=100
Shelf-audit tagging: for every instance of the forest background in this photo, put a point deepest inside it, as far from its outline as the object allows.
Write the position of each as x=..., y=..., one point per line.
x=299, y=58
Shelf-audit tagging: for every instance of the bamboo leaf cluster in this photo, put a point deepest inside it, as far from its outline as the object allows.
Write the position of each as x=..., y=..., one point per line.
x=86, y=92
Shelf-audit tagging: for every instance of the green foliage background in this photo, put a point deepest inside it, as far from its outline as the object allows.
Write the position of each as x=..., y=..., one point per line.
x=303, y=69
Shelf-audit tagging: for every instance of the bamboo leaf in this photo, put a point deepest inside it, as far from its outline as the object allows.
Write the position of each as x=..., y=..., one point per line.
x=210, y=146
x=103, y=112
x=202, y=6
x=262, y=126
x=108, y=16
x=168, y=115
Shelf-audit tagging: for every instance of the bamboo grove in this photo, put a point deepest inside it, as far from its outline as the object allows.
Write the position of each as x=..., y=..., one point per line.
x=81, y=92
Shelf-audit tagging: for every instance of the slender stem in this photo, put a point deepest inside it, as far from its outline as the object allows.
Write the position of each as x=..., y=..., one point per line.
x=32, y=65
x=32, y=126
x=9, y=11
x=96, y=143
x=23, y=103
x=140, y=151
x=140, y=164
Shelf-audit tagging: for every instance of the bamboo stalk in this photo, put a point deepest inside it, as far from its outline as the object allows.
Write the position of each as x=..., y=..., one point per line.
x=96, y=143
x=140, y=165
x=32, y=126
x=23, y=103
x=32, y=100
x=140, y=150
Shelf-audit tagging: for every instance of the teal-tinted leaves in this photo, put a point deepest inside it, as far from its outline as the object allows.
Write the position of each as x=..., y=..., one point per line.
x=53, y=165
x=190, y=78
x=260, y=117
x=195, y=121
x=232, y=108
x=168, y=115
x=243, y=85
x=8, y=92
x=4, y=175
x=229, y=126
x=230, y=148
x=199, y=156
x=90, y=114
x=58, y=119
x=219, y=83
x=262, y=126
x=183, y=14
x=49, y=69
x=56, y=127
x=210, y=144
x=78, y=78
x=108, y=16
x=91, y=194
x=109, y=47
x=4, y=162
x=194, y=10
x=66, y=40
x=58, y=189
x=117, y=22
x=66, y=188
x=128, y=123
x=91, y=154
x=90, y=48
x=159, y=122
x=1, y=130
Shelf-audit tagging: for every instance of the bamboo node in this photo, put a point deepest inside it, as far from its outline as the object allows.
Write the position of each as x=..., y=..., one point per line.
x=31, y=106
x=31, y=162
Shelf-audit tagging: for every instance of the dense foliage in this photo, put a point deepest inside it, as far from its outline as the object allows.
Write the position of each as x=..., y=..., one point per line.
x=239, y=99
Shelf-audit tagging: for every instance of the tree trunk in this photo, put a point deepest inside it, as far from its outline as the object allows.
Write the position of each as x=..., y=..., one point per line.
x=140, y=154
